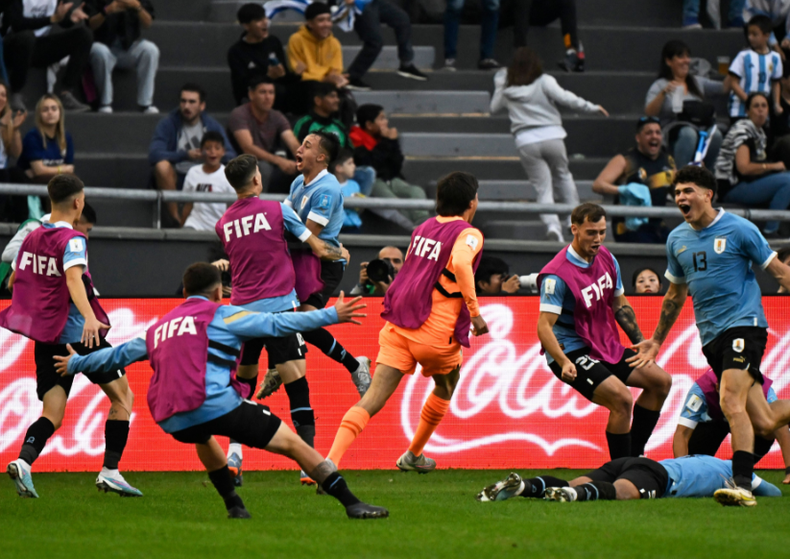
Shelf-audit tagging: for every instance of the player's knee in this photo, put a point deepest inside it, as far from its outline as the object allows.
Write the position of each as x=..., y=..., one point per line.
x=764, y=427
x=662, y=384
x=622, y=402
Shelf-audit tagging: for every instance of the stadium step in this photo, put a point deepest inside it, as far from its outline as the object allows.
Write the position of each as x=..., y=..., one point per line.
x=527, y=230
x=522, y=190
x=427, y=102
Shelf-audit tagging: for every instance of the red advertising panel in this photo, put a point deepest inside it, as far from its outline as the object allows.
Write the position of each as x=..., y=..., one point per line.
x=509, y=411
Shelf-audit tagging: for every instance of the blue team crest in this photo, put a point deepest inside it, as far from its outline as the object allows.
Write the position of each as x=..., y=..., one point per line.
x=324, y=201
x=719, y=245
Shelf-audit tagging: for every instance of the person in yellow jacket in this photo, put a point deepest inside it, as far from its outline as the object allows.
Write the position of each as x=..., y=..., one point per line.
x=313, y=52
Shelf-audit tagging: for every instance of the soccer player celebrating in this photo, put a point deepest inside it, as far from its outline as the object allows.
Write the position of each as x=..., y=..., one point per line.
x=630, y=478
x=317, y=198
x=710, y=257
x=194, y=395
x=581, y=300
x=252, y=232
x=429, y=308
x=53, y=304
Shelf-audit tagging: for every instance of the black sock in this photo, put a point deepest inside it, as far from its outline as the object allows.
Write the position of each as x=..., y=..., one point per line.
x=223, y=483
x=742, y=468
x=644, y=422
x=35, y=439
x=596, y=491
x=301, y=413
x=761, y=447
x=251, y=382
x=116, y=433
x=327, y=343
x=535, y=487
x=336, y=486
x=619, y=445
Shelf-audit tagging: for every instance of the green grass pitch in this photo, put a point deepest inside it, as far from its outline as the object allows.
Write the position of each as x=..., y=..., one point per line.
x=432, y=516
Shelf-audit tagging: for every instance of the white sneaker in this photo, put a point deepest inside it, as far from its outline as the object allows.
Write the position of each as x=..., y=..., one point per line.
x=19, y=472
x=151, y=110
x=112, y=480
x=361, y=377
x=105, y=109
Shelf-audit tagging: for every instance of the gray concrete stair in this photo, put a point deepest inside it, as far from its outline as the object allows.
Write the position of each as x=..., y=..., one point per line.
x=427, y=102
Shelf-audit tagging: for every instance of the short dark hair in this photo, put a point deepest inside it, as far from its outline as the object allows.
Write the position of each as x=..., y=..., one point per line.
x=645, y=120
x=200, y=278
x=212, y=136
x=322, y=89
x=342, y=156
x=250, y=12
x=368, y=113
x=240, y=170
x=316, y=9
x=194, y=88
x=328, y=143
x=587, y=212
x=258, y=79
x=783, y=254
x=752, y=96
x=64, y=186
x=762, y=22
x=454, y=193
x=89, y=214
x=490, y=266
x=696, y=175
x=643, y=269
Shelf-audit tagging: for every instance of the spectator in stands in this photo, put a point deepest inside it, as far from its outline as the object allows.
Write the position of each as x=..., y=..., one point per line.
x=175, y=146
x=368, y=28
x=376, y=145
x=672, y=93
x=540, y=13
x=489, y=23
x=116, y=28
x=313, y=52
x=493, y=277
x=12, y=208
x=258, y=52
x=326, y=103
x=260, y=130
x=30, y=43
x=744, y=173
x=646, y=281
x=531, y=99
x=691, y=13
x=343, y=168
x=779, y=131
x=778, y=11
x=366, y=286
x=209, y=177
x=643, y=173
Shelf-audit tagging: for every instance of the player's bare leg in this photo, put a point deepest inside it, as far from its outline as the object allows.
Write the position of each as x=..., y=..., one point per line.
x=655, y=384
x=615, y=396
x=116, y=433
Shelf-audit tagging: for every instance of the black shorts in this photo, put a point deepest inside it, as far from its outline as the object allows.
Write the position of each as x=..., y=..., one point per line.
x=650, y=477
x=280, y=350
x=738, y=348
x=250, y=424
x=708, y=436
x=47, y=377
x=331, y=275
x=590, y=373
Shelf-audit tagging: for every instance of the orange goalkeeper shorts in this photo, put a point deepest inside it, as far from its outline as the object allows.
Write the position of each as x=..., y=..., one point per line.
x=401, y=353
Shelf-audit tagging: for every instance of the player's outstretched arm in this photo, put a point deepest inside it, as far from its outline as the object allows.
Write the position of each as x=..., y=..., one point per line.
x=781, y=273
x=107, y=359
x=647, y=350
x=626, y=317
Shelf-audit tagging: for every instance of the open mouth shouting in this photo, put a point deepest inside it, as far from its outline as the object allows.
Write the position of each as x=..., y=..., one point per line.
x=685, y=209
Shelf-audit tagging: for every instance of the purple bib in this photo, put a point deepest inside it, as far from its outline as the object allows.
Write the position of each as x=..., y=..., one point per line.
x=708, y=382
x=593, y=289
x=253, y=234
x=40, y=301
x=178, y=351
x=408, y=301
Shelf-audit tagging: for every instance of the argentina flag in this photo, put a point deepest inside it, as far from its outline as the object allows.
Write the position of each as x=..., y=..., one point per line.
x=342, y=16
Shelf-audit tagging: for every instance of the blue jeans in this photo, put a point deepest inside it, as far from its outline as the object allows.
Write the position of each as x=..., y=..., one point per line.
x=773, y=188
x=365, y=177
x=3, y=73
x=684, y=147
x=691, y=9
x=488, y=27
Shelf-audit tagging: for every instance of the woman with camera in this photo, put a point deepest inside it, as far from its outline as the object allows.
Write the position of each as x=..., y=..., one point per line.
x=677, y=98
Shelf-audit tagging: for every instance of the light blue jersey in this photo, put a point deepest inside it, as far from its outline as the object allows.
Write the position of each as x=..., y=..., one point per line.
x=716, y=263
x=230, y=327
x=695, y=408
x=556, y=298
x=701, y=476
x=320, y=201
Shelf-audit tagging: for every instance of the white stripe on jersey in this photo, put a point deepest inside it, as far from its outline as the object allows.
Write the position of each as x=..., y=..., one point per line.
x=757, y=72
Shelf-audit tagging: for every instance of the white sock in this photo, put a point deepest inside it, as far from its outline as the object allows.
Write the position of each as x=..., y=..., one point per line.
x=108, y=472
x=235, y=448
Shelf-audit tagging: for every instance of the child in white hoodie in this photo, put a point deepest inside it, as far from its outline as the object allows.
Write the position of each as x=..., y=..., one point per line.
x=530, y=97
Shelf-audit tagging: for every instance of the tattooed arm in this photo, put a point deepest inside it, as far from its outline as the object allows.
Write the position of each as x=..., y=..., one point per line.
x=325, y=251
x=647, y=350
x=626, y=318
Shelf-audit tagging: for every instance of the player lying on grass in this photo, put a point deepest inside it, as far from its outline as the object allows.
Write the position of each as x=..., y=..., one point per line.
x=631, y=478
x=194, y=394
x=702, y=426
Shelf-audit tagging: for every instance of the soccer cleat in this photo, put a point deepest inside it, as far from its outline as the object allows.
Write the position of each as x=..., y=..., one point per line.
x=361, y=377
x=19, y=472
x=735, y=497
x=509, y=487
x=271, y=384
x=112, y=480
x=234, y=465
x=561, y=494
x=305, y=479
x=364, y=510
x=410, y=463
x=238, y=512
